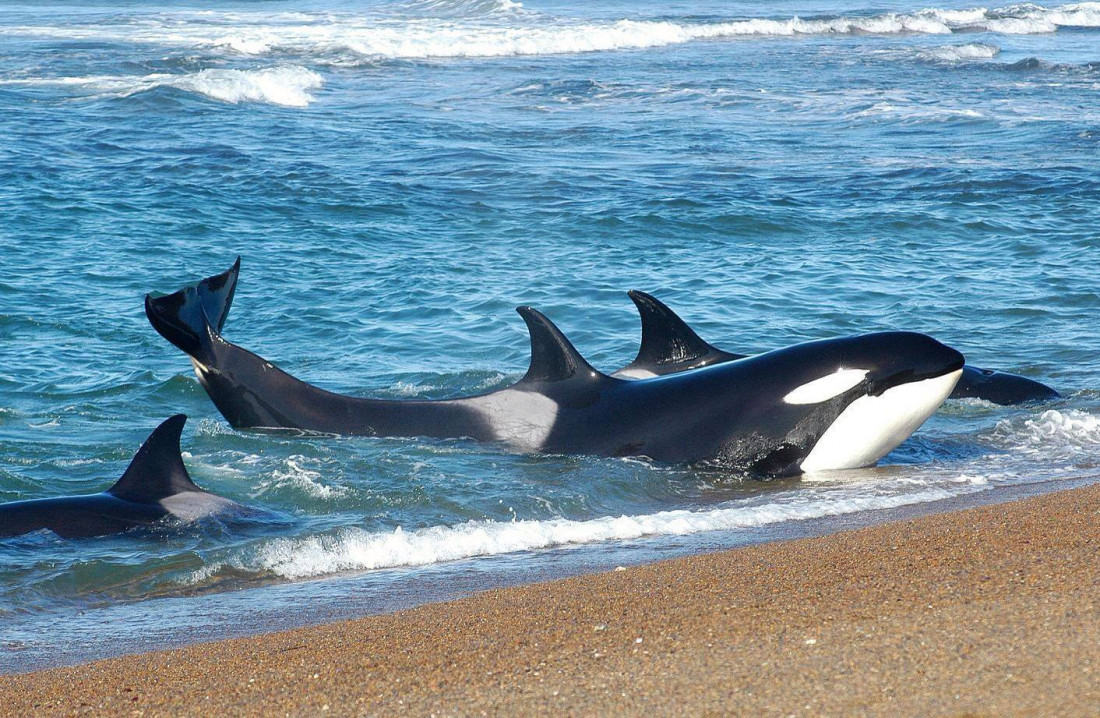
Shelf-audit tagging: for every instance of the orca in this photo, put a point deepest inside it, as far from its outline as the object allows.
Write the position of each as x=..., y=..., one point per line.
x=832, y=404
x=669, y=345
x=154, y=487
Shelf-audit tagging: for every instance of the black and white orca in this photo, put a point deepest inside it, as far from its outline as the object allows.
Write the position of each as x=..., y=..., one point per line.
x=155, y=487
x=833, y=404
x=669, y=345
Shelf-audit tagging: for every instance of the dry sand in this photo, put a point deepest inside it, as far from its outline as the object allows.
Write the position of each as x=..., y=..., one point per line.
x=988, y=611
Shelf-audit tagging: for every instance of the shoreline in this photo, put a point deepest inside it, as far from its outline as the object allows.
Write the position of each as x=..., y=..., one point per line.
x=994, y=609
x=171, y=622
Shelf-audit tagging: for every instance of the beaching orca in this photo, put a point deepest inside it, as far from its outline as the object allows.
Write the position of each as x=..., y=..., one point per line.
x=669, y=345
x=833, y=404
x=155, y=486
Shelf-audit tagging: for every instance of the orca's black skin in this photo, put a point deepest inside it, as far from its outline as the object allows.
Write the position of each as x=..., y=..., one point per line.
x=669, y=345
x=734, y=412
x=154, y=487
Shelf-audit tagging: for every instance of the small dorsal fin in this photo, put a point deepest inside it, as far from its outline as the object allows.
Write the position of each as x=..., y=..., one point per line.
x=157, y=470
x=553, y=357
x=667, y=339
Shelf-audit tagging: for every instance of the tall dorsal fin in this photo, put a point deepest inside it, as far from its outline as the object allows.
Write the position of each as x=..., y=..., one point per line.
x=667, y=339
x=553, y=357
x=157, y=470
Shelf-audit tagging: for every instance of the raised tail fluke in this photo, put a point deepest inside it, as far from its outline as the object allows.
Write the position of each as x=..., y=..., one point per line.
x=192, y=317
x=157, y=470
x=216, y=294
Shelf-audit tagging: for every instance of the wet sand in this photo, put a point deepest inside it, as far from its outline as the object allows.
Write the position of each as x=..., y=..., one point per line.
x=988, y=611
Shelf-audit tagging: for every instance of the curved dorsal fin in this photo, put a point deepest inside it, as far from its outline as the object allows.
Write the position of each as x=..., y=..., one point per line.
x=668, y=340
x=553, y=357
x=157, y=470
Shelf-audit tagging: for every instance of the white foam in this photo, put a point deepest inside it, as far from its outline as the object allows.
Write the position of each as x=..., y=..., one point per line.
x=358, y=550
x=297, y=476
x=323, y=37
x=1053, y=435
x=911, y=112
x=960, y=53
x=289, y=86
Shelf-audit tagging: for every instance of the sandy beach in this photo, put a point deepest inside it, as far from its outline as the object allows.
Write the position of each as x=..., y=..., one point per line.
x=987, y=611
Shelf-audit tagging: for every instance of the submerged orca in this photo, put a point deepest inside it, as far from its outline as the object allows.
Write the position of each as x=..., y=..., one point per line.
x=838, y=403
x=669, y=345
x=155, y=486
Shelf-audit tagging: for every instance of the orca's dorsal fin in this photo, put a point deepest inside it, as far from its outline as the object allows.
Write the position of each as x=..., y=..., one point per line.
x=667, y=339
x=553, y=357
x=157, y=470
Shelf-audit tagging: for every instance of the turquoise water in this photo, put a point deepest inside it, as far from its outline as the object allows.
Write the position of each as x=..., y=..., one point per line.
x=398, y=176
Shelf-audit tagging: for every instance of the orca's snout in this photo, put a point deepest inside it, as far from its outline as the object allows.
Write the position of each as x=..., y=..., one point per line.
x=913, y=357
x=951, y=358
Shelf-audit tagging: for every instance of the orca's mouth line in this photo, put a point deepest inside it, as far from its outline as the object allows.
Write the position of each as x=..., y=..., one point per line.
x=909, y=376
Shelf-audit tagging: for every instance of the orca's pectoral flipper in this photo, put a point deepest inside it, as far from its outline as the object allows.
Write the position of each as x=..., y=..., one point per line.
x=157, y=470
x=192, y=317
x=668, y=343
x=553, y=356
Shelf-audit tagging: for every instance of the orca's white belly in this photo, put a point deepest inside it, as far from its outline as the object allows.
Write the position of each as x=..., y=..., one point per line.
x=873, y=426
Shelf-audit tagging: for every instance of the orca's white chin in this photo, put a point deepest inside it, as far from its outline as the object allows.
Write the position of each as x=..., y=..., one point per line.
x=873, y=426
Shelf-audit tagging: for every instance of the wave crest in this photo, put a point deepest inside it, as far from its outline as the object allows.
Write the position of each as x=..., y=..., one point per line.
x=289, y=86
x=331, y=37
x=959, y=53
x=360, y=550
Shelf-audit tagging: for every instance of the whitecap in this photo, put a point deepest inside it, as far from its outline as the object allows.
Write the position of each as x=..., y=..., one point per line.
x=289, y=86
x=959, y=53
x=1051, y=435
x=297, y=476
x=359, y=550
x=330, y=37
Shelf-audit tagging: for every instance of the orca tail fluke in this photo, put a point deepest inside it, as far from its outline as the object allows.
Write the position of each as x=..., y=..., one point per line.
x=157, y=469
x=193, y=317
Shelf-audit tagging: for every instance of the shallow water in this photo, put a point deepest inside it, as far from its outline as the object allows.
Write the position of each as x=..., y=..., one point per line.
x=398, y=176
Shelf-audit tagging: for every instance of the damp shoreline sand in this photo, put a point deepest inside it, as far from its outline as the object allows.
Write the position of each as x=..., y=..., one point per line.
x=989, y=610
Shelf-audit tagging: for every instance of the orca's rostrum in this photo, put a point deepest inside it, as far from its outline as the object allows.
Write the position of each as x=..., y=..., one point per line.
x=831, y=404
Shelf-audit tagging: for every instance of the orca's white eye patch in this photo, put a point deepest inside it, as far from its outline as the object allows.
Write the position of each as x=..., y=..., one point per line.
x=826, y=387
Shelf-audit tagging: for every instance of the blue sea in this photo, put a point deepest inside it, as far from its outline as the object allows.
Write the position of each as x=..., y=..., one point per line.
x=398, y=176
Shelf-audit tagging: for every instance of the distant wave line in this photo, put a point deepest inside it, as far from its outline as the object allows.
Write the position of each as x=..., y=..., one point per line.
x=323, y=36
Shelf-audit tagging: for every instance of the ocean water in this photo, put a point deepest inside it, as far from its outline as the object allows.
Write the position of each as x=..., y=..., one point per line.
x=397, y=176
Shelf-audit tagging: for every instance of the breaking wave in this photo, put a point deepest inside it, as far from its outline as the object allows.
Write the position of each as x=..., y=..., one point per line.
x=331, y=37
x=360, y=550
x=287, y=86
x=959, y=53
x=1058, y=435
